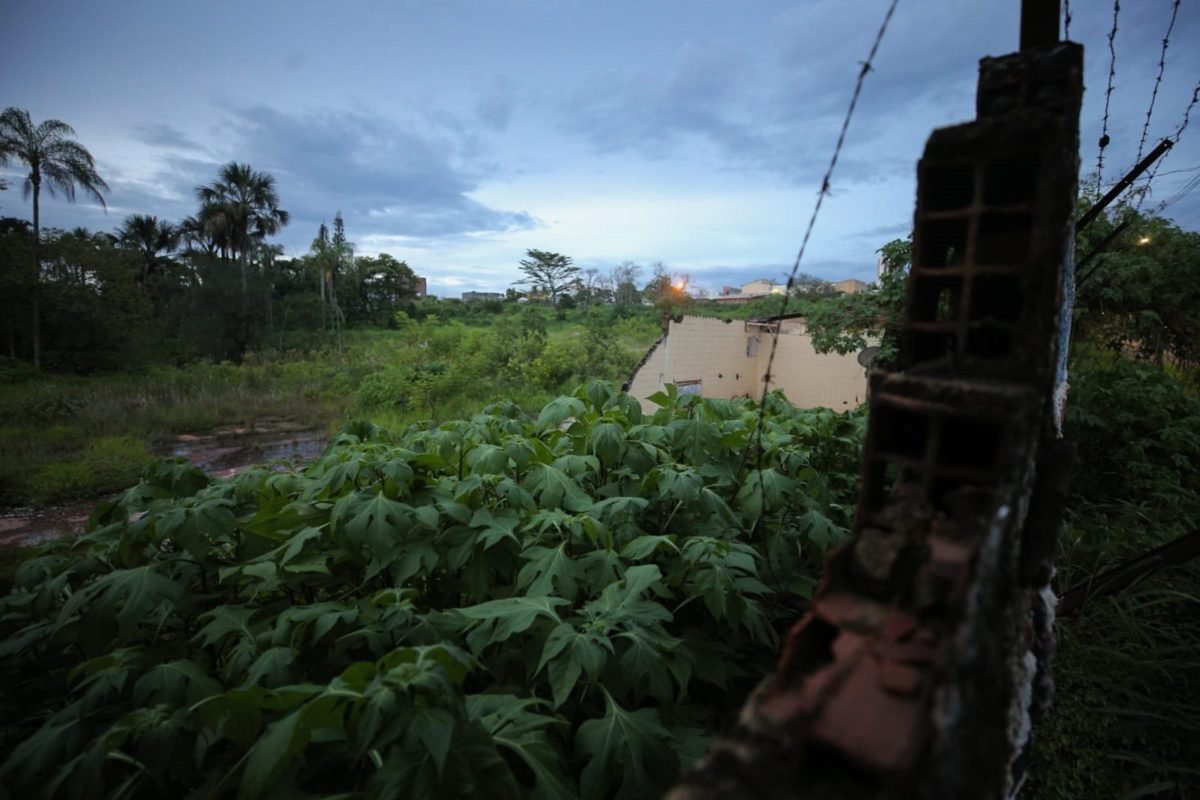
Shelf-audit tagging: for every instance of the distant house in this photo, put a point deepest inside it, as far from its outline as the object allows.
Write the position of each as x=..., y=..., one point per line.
x=728, y=359
x=469, y=296
x=850, y=286
x=762, y=287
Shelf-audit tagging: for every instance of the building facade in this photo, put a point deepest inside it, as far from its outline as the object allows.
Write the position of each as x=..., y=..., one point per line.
x=728, y=359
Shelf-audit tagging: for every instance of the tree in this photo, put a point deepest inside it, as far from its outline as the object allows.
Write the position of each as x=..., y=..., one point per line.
x=328, y=255
x=623, y=281
x=238, y=209
x=1139, y=295
x=152, y=238
x=589, y=286
x=382, y=284
x=845, y=323
x=59, y=162
x=668, y=291
x=550, y=273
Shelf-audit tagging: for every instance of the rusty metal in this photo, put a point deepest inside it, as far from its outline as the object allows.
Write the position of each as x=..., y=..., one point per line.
x=909, y=675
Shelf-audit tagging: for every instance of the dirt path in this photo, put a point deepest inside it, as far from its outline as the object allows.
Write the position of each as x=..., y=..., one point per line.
x=220, y=453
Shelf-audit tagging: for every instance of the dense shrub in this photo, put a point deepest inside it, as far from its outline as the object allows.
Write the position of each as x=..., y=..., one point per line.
x=557, y=606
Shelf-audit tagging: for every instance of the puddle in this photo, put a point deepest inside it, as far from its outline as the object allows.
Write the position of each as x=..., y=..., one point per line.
x=220, y=453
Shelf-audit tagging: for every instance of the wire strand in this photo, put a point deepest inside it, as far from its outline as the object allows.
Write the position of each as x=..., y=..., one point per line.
x=1162, y=66
x=1153, y=173
x=865, y=68
x=1112, y=74
x=1067, y=20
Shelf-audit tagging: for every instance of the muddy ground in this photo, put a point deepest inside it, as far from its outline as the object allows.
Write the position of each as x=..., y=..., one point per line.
x=220, y=453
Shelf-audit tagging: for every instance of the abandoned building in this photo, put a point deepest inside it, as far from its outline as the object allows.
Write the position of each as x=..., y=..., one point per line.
x=728, y=359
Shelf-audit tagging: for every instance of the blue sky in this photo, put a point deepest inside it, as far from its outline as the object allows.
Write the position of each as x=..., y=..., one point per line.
x=455, y=135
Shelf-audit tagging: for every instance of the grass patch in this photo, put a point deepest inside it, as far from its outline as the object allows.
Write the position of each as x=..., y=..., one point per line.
x=69, y=437
x=1126, y=716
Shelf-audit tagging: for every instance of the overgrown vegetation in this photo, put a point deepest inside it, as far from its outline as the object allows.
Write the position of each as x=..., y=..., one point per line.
x=67, y=437
x=558, y=606
x=1124, y=722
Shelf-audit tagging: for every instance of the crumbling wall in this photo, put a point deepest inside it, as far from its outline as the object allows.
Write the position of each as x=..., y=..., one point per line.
x=728, y=358
x=923, y=659
x=809, y=378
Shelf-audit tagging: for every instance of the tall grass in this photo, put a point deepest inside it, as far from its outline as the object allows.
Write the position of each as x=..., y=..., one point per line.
x=66, y=437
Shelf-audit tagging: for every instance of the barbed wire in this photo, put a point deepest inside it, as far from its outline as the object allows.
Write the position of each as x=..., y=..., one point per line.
x=865, y=68
x=1153, y=172
x=1162, y=66
x=1112, y=74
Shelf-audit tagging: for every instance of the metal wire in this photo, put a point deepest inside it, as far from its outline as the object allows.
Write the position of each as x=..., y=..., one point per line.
x=1187, y=113
x=1112, y=74
x=1162, y=65
x=865, y=68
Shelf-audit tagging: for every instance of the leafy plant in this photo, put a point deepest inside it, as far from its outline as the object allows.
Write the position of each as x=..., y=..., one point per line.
x=553, y=606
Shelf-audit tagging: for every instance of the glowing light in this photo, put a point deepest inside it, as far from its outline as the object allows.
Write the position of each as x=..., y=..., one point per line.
x=1144, y=240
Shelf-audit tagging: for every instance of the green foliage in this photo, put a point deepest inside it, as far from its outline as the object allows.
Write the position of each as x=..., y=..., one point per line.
x=846, y=323
x=551, y=607
x=1123, y=723
x=1137, y=433
x=1140, y=294
x=551, y=275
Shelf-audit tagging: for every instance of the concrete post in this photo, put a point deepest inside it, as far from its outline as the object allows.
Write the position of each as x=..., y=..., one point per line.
x=923, y=660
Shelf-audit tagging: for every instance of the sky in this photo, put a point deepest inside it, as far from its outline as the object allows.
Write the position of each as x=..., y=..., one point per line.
x=455, y=135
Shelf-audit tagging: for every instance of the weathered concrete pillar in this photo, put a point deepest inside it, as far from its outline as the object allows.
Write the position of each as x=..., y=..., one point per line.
x=917, y=669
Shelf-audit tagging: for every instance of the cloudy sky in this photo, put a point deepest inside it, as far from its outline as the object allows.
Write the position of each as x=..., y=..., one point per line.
x=457, y=134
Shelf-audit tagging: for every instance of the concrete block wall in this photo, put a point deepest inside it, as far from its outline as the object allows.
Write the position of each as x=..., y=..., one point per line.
x=809, y=378
x=729, y=359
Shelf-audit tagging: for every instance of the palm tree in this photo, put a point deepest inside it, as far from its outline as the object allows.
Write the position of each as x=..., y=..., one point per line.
x=239, y=209
x=151, y=237
x=54, y=159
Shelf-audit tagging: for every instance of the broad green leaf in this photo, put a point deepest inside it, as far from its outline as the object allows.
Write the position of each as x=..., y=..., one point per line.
x=627, y=748
x=131, y=597
x=196, y=527
x=272, y=668
x=180, y=682
x=606, y=440
x=498, y=620
x=555, y=489
x=549, y=569
x=487, y=459
x=569, y=653
x=556, y=412
x=763, y=489
x=576, y=466
x=515, y=728
x=645, y=546
x=272, y=754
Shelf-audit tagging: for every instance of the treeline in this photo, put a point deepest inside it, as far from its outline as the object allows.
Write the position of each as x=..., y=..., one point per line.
x=155, y=291
x=210, y=285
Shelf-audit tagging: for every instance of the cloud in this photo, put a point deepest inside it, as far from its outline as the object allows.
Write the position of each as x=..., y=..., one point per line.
x=774, y=102
x=386, y=177
x=885, y=232
x=496, y=107
x=165, y=136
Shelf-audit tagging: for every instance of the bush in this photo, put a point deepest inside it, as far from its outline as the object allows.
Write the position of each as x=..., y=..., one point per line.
x=476, y=604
